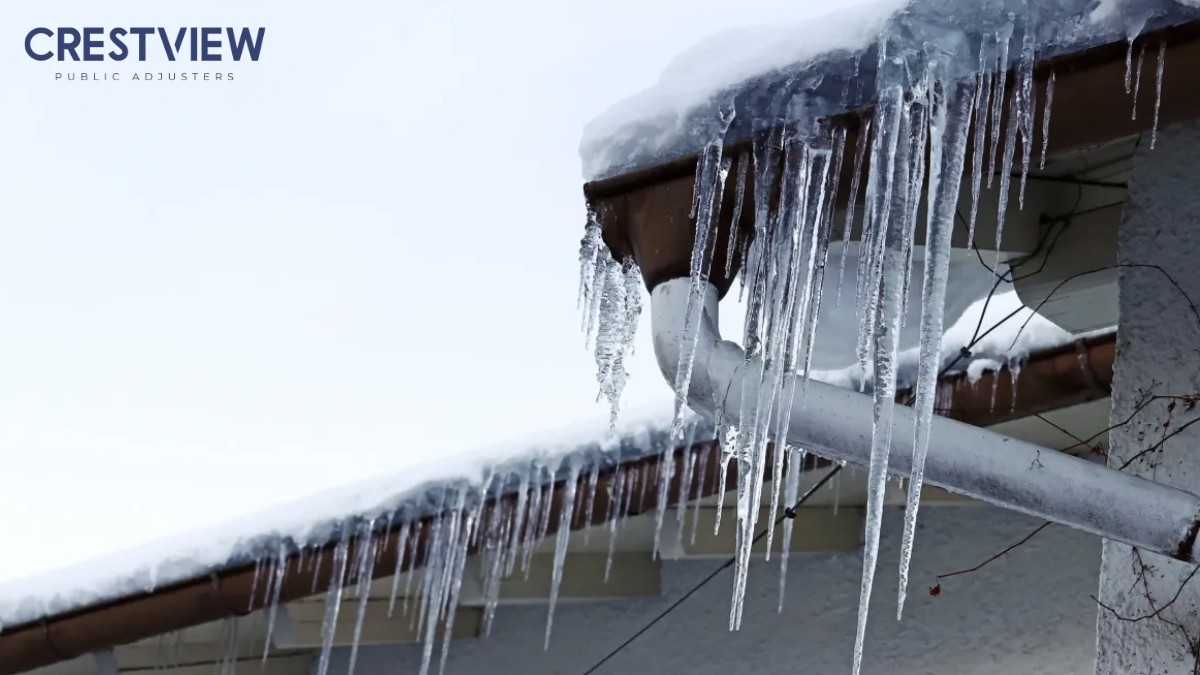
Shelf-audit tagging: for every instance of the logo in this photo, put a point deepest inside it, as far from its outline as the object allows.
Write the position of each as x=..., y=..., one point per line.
x=197, y=45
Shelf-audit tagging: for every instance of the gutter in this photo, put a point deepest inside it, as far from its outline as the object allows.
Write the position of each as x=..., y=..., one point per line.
x=1050, y=380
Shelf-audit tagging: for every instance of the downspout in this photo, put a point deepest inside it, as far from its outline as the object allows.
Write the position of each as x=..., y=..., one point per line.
x=987, y=466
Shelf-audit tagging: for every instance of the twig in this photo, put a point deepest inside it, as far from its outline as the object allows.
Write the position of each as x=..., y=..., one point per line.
x=994, y=558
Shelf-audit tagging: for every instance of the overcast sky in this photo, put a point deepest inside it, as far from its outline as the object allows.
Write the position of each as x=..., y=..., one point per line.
x=357, y=256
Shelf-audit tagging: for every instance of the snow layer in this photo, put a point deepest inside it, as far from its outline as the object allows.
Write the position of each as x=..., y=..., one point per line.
x=833, y=59
x=1011, y=343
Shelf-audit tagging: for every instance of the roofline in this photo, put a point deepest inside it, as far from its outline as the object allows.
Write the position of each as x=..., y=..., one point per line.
x=1081, y=79
x=1056, y=378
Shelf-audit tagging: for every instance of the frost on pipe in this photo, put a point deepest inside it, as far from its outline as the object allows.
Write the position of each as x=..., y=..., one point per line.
x=930, y=79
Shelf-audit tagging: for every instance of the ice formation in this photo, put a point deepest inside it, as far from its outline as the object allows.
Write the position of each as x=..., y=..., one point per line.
x=929, y=79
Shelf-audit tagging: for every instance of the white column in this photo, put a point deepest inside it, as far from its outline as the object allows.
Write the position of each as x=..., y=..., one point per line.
x=1158, y=355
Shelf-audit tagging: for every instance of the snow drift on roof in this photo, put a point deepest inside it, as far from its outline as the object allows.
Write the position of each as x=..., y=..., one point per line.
x=315, y=520
x=831, y=60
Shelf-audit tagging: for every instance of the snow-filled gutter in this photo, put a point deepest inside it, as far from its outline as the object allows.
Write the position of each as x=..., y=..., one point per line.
x=1050, y=380
x=837, y=423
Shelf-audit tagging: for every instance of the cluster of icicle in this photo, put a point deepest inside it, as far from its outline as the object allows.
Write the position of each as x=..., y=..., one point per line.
x=610, y=294
x=488, y=529
x=797, y=169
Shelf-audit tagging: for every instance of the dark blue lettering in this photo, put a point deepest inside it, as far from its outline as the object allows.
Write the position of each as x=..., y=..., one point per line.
x=115, y=35
x=179, y=37
x=68, y=46
x=29, y=44
x=208, y=42
x=141, y=34
x=243, y=41
x=92, y=41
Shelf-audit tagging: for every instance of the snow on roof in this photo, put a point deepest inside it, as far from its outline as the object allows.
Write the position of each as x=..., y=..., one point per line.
x=826, y=66
x=315, y=520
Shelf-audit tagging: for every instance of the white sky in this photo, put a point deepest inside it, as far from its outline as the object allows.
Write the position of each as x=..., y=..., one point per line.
x=360, y=255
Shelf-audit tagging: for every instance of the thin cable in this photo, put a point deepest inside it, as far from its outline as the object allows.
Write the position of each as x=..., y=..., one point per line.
x=712, y=575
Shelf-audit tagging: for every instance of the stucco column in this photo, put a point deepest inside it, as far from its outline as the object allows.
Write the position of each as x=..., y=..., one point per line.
x=1146, y=624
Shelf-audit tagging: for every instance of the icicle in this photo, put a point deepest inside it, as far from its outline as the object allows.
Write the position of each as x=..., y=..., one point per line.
x=259, y=565
x=519, y=512
x=860, y=151
x=1046, y=119
x=590, y=248
x=460, y=552
x=412, y=563
x=561, y=542
x=590, y=500
x=980, y=109
x=333, y=598
x=363, y=575
x=666, y=473
x=791, y=495
x=1027, y=107
x=1015, y=107
x=1129, y=65
x=920, y=126
x=1014, y=370
x=620, y=306
x=893, y=232
x=1158, y=87
x=281, y=562
x=1003, y=36
x=711, y=171
x=615, y=513
x=643, y=482
x=401, y=545
x=494, y=575
x=704, y=457
x=723, y=477
x=950, y=128
x=995, y=388
x=316, y=575
x=686, y=485
x=1137, y=80
x=731, y=247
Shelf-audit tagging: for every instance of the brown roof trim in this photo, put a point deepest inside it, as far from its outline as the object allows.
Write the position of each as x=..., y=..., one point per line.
x=1073, y=373
x=1056, y=378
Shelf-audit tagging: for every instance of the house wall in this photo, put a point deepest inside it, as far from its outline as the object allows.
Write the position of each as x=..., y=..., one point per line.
x=1029, y=612
x=1154, y=621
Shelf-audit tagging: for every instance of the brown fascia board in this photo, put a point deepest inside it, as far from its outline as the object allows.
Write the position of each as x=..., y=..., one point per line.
x=1052, y=379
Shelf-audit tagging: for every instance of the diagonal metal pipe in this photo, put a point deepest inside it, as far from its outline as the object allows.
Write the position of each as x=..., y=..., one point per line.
x=837, y=423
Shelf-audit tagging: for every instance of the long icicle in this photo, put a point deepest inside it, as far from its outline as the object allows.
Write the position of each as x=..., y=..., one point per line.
x=950, y=127
x=711, y=171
